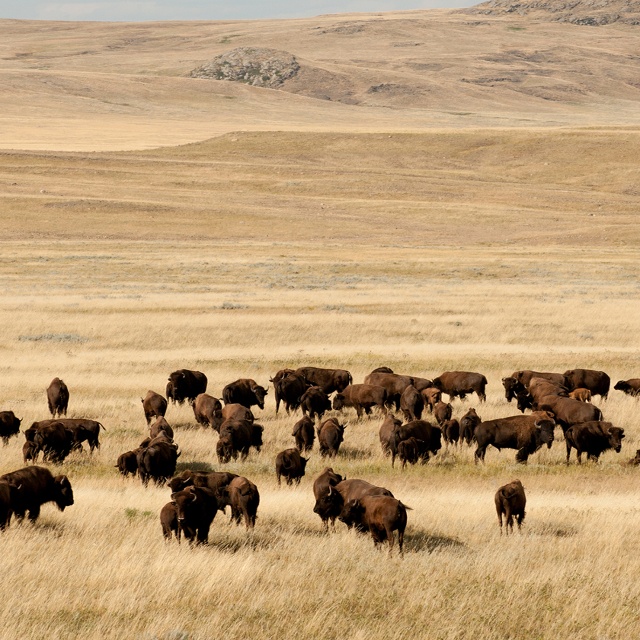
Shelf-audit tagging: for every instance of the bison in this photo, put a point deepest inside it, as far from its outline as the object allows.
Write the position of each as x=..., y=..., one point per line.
x=524, y=377
x=196, y=508
x=243, y=498
x=9, y=495
x=321, y=487
x=442, y=412
x=57, y=397
x=581, y=394
x=450, y=431
x=9, y=426
x=315, y=402
x=510, y=501
x=160, y=426
x=185, y=384
x=380, y=515
x=394, y=385
x=289, y=389
x=82, y=428
x=421, y=430
x=157, y=461
x=512, y=387
x=526, y=434
x=329, y=380
x=385, y=434
x=593, y=438
x=246, y=392
x=169, y=521
x=154, y=406
x=213, y=480
x=330, y=437
x=37, y=487
x=411, y=403
x=598, y=382
x=54, y=441
x=568, y=411
x=362, y=397
x=304, y=433
x=290, y=465
x=207, y=411
x=236, y=438
x=457, y=384
x=468, y=424
x=128, y=463
x=236, y=411
x=631, y=387
x=410, y=451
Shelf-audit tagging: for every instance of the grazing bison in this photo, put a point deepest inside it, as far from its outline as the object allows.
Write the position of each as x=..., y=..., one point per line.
x=154, y=406
x=321, y=487
x=236, y=411
x=185, y=384
x=387, y=428
x=82, y=428
x=329, y=504
x=315, y=402
x=593, y=438
x=380, y=515
x=510, y=502
x=169, y=521
x=236, y=438
x=583, y=395
x=160, y=426
x=468, y=424
x=411, y=403
x=568, y=411
x=421, y=430
x=394, y=385
x=304, y=433
x=526, y=434
x=57, y=397
x=290, y=465
x=196, y=507
x=431, y=397
x=330, y=437
x=213, y=480
x=37, y=486
x=243, y=498
x=631, y=387
x=410, y=450
x=246, y=392
x=128, y=463
x=598, y=382
x=362, y=397
x=9, y=426
x=54, y=441
x=329, y=380
x=450, y=431
x=30, y=452
x=207, y=411
x=157, y=461
x=460, y=383
x=442, y=411
x=289, y=389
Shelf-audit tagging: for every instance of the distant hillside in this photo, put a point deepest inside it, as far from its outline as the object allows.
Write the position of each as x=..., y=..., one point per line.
x=585, y=12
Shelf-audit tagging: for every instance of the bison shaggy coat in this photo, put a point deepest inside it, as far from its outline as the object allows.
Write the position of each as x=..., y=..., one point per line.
x=510, y=501
x=442, y=412
x=169, y=521
x=321, y=487
x=388, y=426
x=315, y=402
x=411, y=404
x=246, y=392
x=128, y=463
x=631, y=387
x=185, y=384
x=207, y=411
x=421, y=430
x=196, y=507
x=329, y=380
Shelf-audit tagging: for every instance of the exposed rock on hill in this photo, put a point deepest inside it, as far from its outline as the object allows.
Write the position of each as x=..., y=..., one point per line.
x=586, y=12
x=258, y=67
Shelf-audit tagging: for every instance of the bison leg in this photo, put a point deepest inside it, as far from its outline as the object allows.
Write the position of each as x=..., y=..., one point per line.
x=579, y=453
x=509, y=520
x=522, y=456
x=203, y=534
x=34, y=513
x=566, y=441
x=479, y=454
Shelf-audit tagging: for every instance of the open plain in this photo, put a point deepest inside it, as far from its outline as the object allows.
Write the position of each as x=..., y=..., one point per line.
x=433, y=190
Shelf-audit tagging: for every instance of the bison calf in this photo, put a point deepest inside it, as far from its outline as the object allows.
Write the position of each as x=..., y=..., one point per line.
x=169, y=521
x=510, y=502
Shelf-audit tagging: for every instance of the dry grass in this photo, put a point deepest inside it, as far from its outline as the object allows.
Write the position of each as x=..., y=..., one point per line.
x=339, y=235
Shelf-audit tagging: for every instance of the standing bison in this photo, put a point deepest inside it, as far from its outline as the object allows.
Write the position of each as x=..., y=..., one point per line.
x=598, y=382
x=196, y=508
x=362, y=397
x=244, y=498
x=411, y=403
x=631, y=387
x=185, y=384
x=154, y=406
x=288, y=387
x=421, y=430
x=510, y=501
x=315, y=402
x=304, y=434
x=9, y=426
x=329, y=380
x=290, y=465
x=593, y=438
x=330, y=437
x=246, y=392
x=459, y=384
x=207, y=411
x=394, y=385
x=57, y=397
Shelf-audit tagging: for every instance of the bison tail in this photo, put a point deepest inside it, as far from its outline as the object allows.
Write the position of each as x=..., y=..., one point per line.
x=101, y=425
x=405, y=506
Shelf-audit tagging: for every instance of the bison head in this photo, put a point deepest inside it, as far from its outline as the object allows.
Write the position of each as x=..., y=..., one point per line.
x=338, y=401
x=525, y=401
x=615, y=435
x=544, y=432
x=63, y=492
x=622, y=385
x=224, y=449
x=329, y=505
x=510, y=385
x=352, y=514
x=260, y=393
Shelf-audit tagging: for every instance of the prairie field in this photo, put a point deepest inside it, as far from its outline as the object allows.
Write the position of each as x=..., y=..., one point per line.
x=182, y=231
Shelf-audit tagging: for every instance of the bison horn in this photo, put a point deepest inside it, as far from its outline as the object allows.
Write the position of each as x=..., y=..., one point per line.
x=195, y=497
x=329, y=490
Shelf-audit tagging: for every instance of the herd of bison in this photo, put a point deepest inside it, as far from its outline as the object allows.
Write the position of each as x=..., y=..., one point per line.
x=552, y=399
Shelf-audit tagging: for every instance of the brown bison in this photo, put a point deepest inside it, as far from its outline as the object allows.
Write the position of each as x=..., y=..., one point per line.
x=526, y=434
x=54, y=441
x=154, y=406
x=321, y=486
x=380, y=515
x=524, y=377
x=512, y=387
x=330, y=437
x=243, y=498
x=196, y=508
x=30, y=452
x=246, y=392
x=458, y=384
x=510, y=502
x=185, y=384
x=598, y=382
x=81, y=428
x=362, y=397
x=169, y=521
x=421, y=430
x=157, y=461
x=568, y=411
x=541, y=388
x=57, y=397
x=387, y=428
x=411, y=403
x=329, y=380
x=410, y=451
x=290, y=465
x=450, y=431
x=207, y=411
x=593, y=438
x=289, y=387
x=583, y=395
x=304, y=433
x=9, y=426
x=421, y=383
x=631, y=387
x=431, y=397
x=468, y=424
x=128, y=463
x=9, y=495
x=236, y=438
x=213, y=480
x=315, y=402
x=394, y=385
x=442, y=412
x=37, y=486
x=236, y=411
x=160, y=426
